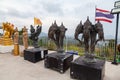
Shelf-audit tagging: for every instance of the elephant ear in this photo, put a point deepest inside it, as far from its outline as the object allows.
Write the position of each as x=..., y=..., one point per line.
x=62, y=27
x=79, y=28
x=95, y=27
x=52, y=27
x=51, y=31
x=98, y=24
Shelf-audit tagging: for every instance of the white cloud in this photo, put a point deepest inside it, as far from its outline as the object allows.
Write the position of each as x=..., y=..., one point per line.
x=70, y=12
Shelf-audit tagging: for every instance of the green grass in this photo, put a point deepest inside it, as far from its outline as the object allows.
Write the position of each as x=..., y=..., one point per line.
x=80, y=50
x=105, y=52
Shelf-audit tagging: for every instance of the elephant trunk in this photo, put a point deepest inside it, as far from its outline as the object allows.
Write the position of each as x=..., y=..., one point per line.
x=76, y=37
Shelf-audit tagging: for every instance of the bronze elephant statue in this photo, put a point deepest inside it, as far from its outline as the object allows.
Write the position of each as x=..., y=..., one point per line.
x=57, y=34
x=89, y=33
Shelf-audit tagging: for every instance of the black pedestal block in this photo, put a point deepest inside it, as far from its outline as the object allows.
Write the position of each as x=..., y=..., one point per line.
x=35, y=54
x=83, y=71
x=58, y=61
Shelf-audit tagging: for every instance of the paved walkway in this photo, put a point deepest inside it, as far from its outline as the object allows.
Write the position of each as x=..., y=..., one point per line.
x=16, y=68
x=5, y=49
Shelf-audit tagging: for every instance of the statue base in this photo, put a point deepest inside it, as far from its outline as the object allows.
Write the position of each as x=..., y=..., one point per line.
x=83, y=71
x=6, y=41
x=89, y=59
x=58, y=61
x=35, y=54
x=16, y=49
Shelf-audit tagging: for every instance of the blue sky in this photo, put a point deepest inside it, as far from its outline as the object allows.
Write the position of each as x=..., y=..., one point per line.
x=70, y=12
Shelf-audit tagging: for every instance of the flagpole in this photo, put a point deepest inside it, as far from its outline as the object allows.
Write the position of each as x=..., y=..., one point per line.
x=34, y=21
x=95, y=13
x=66, y=44
x=116, y=37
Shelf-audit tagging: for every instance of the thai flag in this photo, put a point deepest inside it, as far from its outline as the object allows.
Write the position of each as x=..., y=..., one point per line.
x=103, y=15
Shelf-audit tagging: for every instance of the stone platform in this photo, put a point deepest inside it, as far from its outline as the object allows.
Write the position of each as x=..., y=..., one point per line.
x=58, y=61
x=35, y=54
x=92, y=71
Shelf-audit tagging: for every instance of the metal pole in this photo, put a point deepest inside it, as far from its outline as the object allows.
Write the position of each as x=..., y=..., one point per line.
x=117, y=20
x=95, y=13
x=66, y=44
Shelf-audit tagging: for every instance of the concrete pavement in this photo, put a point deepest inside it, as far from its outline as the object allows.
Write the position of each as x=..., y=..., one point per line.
x=16, y=68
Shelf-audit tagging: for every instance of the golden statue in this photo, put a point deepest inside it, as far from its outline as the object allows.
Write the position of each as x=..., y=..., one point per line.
x=16, y=44
x=8, y=29
x=16, y=35
x=25, y=37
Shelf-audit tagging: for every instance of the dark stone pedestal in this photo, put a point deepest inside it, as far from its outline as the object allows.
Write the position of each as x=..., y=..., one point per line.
x=58, y=61
x=83, y=71
x=35, y=54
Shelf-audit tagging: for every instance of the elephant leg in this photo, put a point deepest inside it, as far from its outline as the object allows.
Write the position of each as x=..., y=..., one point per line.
x=86, y=42
x=57, y=41
x=93, y=42
x=92, y=48
x=62, y=35
x=102, y=37
x=61, y=43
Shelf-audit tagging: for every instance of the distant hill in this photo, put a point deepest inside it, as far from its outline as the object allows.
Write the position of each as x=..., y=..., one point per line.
x=109, y=37
x=43, y=34
x=106, y=36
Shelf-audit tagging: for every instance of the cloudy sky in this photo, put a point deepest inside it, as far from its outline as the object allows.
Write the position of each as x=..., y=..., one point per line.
x=70, y=12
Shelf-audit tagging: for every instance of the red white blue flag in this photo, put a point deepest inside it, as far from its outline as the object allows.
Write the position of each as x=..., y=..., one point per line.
x=103, y=15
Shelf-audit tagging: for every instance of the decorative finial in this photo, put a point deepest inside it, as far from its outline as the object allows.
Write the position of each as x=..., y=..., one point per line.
x=81, y=22
x=52, y=23
x=55, y=22
x=87, y=17
x=62, y=23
